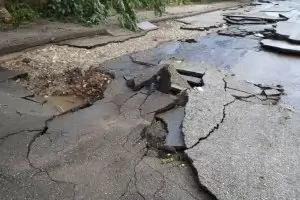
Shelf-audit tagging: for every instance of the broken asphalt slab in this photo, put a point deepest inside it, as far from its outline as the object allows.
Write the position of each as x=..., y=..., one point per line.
x=73, y=150
x=281, y=46
x=252, y=18
x=216, y=50
x=173, y=120
x=255, y=160
x=96, y=152
x=244, y=30
x=268, y=68
x=147, y=26
x=204, y=112
x=202, y=22
x=289, y=30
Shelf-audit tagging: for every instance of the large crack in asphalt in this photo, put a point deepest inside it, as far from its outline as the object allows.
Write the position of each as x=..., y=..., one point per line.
x=42, y=132
x=216, y=127
x=2, y=139
x=134, y=177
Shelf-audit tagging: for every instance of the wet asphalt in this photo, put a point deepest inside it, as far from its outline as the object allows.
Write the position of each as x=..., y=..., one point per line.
x=243, y=56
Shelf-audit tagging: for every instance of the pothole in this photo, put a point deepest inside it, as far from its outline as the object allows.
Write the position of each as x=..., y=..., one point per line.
x=69, y=89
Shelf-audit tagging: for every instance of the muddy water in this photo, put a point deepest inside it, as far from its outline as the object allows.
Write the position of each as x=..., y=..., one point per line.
x=65, y=103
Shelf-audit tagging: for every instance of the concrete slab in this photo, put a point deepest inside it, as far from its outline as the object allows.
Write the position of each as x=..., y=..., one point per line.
x=147, y=26
x=204, y=21
x=96, y=41
x=195, y=69
x=255, y=165
x=272, y=92
x=207, y=19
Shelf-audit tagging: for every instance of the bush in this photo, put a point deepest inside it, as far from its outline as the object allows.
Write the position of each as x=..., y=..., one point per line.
x=87, y=12
x=22, y=12
x=90, y=12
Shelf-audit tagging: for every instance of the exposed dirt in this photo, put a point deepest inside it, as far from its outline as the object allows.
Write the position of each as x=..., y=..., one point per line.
x=87, y=84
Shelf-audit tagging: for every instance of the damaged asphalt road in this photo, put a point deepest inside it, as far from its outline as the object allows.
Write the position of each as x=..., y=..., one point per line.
x=202, y=119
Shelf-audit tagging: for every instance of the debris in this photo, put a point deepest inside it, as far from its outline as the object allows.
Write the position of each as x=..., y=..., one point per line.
x=189, y=40
x=156, y=134
x=144, y=77
x=252, y=18
x=26, y=60
x=193, y=81
x=147, y=26
x=272, y=92
x=194, y=69
x=170, y=79
x=242, y=86
x=88, y=84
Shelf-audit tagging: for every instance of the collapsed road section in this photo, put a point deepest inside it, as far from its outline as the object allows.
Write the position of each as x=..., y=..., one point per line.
x=109, y=150
x=173, y=123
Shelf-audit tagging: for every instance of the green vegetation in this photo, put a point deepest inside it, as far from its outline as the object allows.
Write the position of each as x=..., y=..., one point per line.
x=22, y=12
x=86, y=12
x=90, y=12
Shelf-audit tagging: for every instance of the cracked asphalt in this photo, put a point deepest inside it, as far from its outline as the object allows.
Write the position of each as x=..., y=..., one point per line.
x=241, y=141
